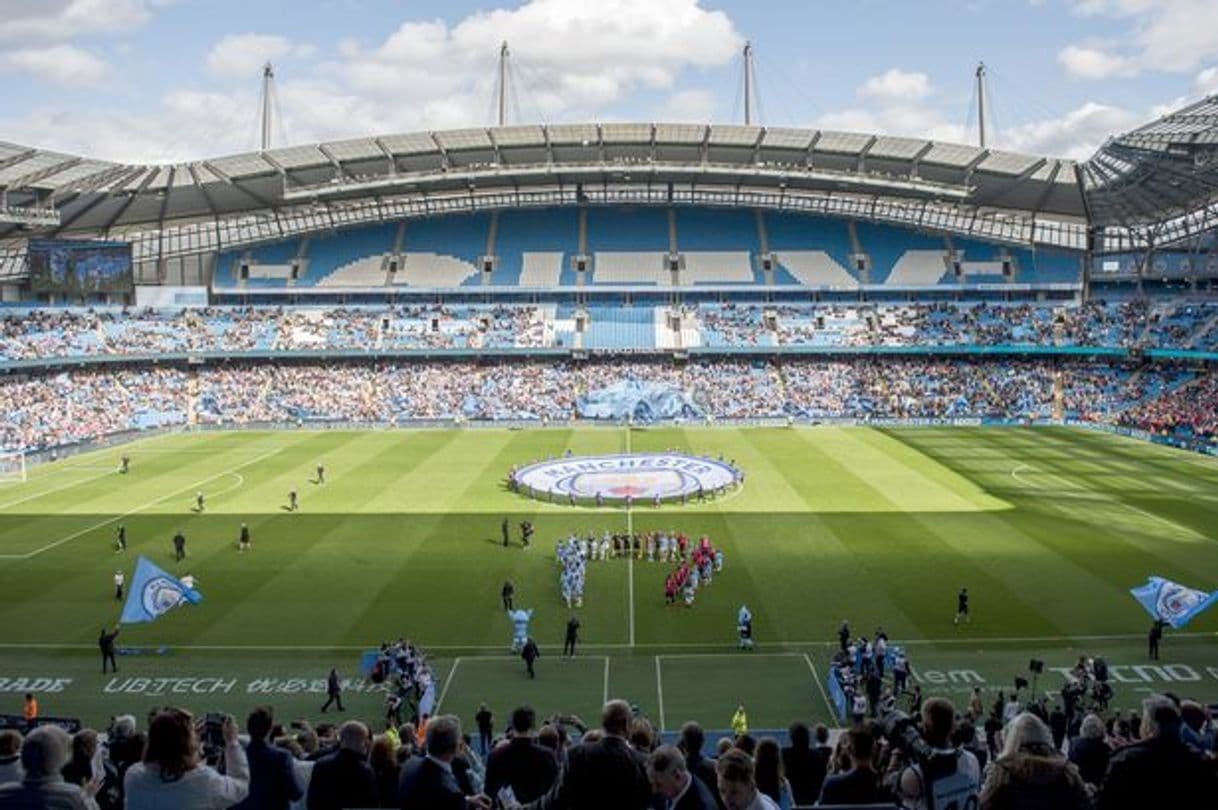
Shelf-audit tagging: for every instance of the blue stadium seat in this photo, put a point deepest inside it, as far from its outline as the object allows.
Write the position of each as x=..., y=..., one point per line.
x=549, y=230
x=329, y=253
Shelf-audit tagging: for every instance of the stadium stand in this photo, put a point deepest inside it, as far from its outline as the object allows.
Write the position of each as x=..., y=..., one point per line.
x=349, y=258
x=531, y=247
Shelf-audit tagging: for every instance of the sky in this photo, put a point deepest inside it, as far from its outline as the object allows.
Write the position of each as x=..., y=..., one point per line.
x=154, y=81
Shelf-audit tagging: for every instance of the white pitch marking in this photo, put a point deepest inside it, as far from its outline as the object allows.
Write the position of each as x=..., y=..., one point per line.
x=660, y=694
x=1088, y=492
x=68, y=485
x=606, y=691
x=630, y=554
x=819, y=685
x=167, y=496
x=730, y=649
x=447, y=681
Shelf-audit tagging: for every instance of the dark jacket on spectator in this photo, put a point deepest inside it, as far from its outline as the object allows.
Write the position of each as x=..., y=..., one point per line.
x=805, y=770
x=527, y=767
x=273, y=782
x=604, y=775
x=697, y=797
x=1159, y=772
x=341, y=779
x=387, y=780
x=854, y=787
x=1024, y=781
x=1091, y=757
x=704, y=768
x=426, y=785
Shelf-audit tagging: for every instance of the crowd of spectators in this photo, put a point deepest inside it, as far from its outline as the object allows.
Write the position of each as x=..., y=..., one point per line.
x=44, y=410
x=51, y=333
x=44, y=333
x=1018, y=754
x=1189, y=411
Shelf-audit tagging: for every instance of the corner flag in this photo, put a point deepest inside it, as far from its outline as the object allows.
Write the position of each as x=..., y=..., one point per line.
x=1171, y=601
x=154, y=592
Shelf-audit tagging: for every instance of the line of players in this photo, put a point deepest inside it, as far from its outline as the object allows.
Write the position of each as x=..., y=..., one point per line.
x=655, y=546
x=696, y=571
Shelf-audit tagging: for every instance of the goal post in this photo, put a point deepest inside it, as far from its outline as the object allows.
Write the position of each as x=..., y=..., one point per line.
x=12, y=467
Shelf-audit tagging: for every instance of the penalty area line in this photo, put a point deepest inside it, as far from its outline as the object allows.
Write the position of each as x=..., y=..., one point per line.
x=660, y=694
x=61, y=488
x=447, y=681
x=231, y=471
x=820, y=686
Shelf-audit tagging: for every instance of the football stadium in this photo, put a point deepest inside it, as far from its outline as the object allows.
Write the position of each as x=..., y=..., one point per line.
x=763, y=429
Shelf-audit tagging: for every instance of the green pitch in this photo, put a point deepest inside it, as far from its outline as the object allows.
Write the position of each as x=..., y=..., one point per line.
x=1048, y=528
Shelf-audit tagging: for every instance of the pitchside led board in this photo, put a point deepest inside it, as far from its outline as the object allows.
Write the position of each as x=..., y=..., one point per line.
x=80, y=267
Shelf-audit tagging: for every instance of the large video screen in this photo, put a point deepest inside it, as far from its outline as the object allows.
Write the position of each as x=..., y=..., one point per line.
x=68, y=267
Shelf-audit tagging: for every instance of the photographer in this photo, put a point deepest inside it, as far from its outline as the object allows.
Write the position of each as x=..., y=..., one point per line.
x=173, y=775
x=936, y=773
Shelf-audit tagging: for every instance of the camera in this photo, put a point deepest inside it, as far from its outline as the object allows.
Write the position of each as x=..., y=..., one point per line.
x=1036, y=666
x=901, y=731
x=1020, y=683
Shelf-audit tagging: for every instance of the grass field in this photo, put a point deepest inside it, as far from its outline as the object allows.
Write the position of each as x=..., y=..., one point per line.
x=1047, y=527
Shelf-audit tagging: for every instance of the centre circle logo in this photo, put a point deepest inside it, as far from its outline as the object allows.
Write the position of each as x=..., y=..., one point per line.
x=639, y=476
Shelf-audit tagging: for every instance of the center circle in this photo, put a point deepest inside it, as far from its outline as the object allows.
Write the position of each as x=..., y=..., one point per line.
x=622, y=476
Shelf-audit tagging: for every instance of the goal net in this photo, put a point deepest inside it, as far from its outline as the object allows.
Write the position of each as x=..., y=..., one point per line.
x=12, y=467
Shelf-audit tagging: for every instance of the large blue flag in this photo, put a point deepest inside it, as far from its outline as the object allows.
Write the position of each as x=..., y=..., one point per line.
x=155, y=592
x=1171, y=601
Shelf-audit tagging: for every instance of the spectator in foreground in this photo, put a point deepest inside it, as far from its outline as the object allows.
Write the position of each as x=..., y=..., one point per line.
x=804, y=769
x=172, y=775
x=385, y=767
x=767, y=770
x=938, y=723
x=79, y=771
x=1158, y=771
x=603, y=775
x=273, y=782
x=1089, y=751
x=692, y=741
x=43, y=755
x=428, y=783
x=671, y=779
x=521, y=763
x=737, y=784
x=10, y=756
x=344, y=778
x=860, y=784
x=1031, y=772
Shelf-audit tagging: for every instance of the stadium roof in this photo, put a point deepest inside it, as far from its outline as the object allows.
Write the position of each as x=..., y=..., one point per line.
x=1161, y=170
x=53, y=192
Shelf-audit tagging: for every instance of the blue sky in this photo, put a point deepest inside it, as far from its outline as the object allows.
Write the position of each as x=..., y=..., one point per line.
x=164, y=80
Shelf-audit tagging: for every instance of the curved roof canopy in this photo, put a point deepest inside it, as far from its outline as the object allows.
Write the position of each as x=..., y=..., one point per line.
x=1159, y=171
x=53, y=192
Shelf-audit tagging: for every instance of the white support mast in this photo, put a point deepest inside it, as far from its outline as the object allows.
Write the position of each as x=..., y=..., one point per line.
x=268, y=87
x=981, y=103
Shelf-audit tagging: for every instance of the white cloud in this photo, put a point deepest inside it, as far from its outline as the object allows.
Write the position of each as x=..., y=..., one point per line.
x=896, y=85
x=692, y=106
x=572, y=60
x=1093, y=63
x=61, y=64
x=242, y=56
x=579, y=57
x=1206, y=81
x=1162, y=35
x=61, y=20
x=1076, y=134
